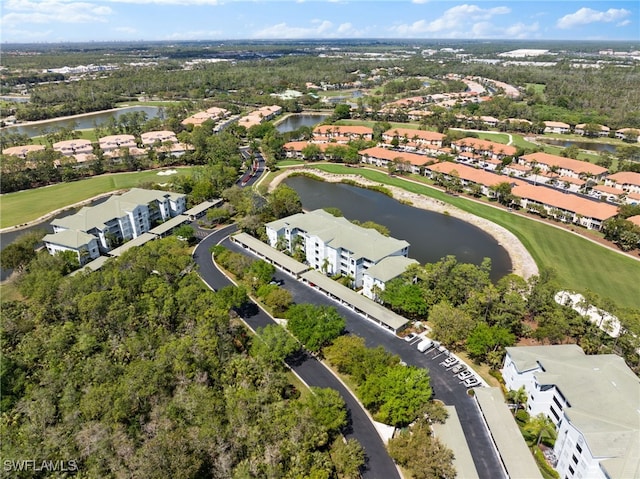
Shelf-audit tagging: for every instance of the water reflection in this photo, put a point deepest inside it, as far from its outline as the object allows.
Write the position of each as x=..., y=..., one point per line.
x=431, y=235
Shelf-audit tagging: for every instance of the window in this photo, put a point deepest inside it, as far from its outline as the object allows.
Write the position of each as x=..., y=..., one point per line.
x=579, y=448
x=555, y=414
x=571, y=471
x=574, y=459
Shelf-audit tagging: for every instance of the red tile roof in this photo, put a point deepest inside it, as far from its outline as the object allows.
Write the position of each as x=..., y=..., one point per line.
x=474, y=175
x=566, y=201
x=625, y=177
x=486, y=145
x=565, y=163
x=390, y=155
x=300, y=145
x=343, y=130
x=635, y=220
x=418, y=134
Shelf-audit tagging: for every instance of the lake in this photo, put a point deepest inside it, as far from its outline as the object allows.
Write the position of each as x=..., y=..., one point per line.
x=431, y=235
x=84, y=122
x=583, y=145
x=293, y=122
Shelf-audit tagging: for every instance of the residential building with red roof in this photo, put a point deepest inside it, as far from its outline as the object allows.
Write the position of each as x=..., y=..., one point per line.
x=494, y=150
x=73, y=147
x=151, y=137
x=341, y=133
x=22, y=151
x=293, y=149
x=421, y=139
x=115, y=142
x=564, y=206
x=469, y=175
x=565, y=166
x=635, y=220
x=624, y=180
x=214, y=113
x=381, y=157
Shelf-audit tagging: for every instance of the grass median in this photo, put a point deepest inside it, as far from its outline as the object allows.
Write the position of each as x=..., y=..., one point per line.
x=24, y=206
x=580, y=263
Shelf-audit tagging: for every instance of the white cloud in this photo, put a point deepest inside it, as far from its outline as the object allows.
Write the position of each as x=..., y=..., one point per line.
x=126, y=30
x=319, y=29
x=586, y=15
x=623, y=23
x=459, y=21
x=419, y=1
x=52, y=11
x=170, y=2
x=521, y=31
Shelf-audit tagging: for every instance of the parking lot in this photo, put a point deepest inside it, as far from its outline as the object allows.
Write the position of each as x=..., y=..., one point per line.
x=446, y=385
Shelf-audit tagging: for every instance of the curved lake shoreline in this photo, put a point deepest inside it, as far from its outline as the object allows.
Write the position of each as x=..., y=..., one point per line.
x=522, y=262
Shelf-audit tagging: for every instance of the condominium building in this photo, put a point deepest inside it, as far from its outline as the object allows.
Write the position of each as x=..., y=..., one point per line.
x=591, y=399
x=120, y=218
x=334, y=245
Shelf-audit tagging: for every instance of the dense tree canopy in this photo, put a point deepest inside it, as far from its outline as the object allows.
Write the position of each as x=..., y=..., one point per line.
x=137, y=370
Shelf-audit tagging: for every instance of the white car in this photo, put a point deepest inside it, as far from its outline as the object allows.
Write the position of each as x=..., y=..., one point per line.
x=410, y=337
x=471, y=382
x=465, y=375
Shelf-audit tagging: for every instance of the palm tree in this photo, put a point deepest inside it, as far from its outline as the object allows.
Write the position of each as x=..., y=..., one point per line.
x=541, y=425
x=517, y=397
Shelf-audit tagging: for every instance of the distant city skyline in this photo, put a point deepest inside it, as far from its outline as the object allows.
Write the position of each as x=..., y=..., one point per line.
x=36, y=21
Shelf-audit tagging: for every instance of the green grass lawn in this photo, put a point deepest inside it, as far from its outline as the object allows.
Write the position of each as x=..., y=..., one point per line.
x=24, y=206
x=580, y=264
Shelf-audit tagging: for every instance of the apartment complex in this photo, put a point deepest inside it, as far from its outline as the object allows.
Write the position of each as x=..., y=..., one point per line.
x=334, y=245
x=591, y=399
x=96, y=229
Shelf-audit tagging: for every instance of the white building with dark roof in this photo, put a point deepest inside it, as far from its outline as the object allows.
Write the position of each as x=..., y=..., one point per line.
x=332, y=244
x=593, y=400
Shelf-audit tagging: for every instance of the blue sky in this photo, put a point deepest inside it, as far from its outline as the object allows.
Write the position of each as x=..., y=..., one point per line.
x=106, y=20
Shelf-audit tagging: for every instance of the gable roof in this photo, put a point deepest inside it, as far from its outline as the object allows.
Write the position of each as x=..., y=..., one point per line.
x=417, y=134
x=390, y=155
x=565, y=201
x=565, y=163
x=486, y=145
x=625, y=177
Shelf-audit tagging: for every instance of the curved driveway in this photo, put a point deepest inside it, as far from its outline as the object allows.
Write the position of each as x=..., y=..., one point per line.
x=446, y=386
x=314, y=373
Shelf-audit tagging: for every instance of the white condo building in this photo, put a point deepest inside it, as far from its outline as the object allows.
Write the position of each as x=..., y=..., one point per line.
x=120, y=218
x=594, y=402
x=334, y=245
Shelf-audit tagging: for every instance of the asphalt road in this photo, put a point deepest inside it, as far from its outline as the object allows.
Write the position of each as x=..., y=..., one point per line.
x=378, y=463
x=446, y=386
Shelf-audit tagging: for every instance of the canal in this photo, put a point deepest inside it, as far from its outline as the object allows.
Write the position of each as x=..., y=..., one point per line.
x=431, y=235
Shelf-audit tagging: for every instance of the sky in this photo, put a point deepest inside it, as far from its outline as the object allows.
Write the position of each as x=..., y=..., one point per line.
x=36, y=21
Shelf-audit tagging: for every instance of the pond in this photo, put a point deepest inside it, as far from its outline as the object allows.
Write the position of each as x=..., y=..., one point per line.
x=7, y=237
x=431, y=235
x=293, y=122
x=84, y=122
x=583, y=145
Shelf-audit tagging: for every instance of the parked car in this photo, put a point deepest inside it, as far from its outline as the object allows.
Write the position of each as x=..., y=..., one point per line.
x=410, y=337
x=471, y=382
x=466, y=374
x=457, y=368
x=424, y=345
x=277, y=282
